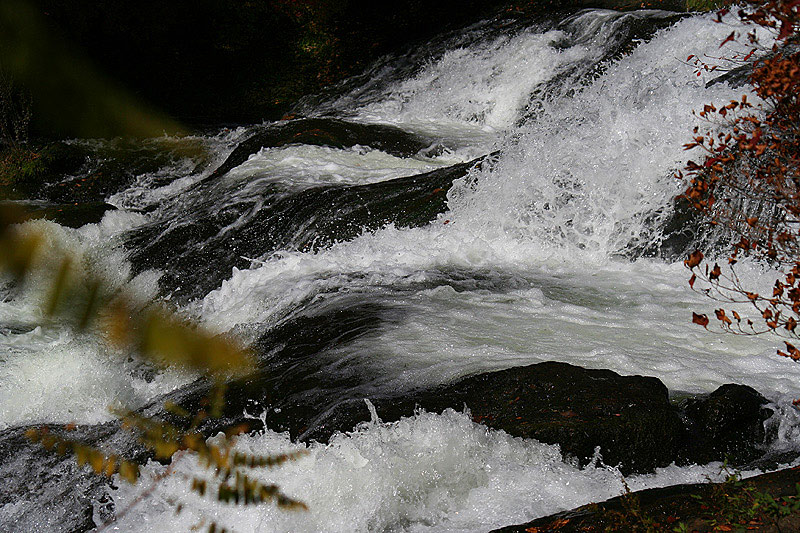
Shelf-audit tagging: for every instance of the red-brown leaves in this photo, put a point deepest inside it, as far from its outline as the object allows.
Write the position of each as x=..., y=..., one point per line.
x=777, y=290
x=747, y=179
x=695, y=258
x=722, y=317
x=793, y=354
x=701, y=320
x=728, y=39
x=786, y=30
x=715, y=273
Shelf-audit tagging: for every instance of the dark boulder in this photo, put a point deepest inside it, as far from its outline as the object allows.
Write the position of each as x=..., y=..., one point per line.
x=629, y=418
x=199, y=250
x=324, y=132
x=728, y=423
x=72, y=215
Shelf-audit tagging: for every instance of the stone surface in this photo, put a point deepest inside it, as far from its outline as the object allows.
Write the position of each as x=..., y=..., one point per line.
x=45, y=491
x=72, y=215
x=727, y=424
x=324, y=132
x=629, y=418
x=665, y=508
x=199, y=256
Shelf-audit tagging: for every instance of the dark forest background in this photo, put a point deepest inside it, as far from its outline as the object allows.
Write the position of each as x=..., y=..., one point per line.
x=212, y=62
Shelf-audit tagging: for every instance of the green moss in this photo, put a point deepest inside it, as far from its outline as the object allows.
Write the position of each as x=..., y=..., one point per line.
x=706, y=5
x=25, y=170
x=17, y=165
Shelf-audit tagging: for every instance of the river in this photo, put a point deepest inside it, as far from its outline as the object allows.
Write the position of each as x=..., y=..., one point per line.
x=554, y=248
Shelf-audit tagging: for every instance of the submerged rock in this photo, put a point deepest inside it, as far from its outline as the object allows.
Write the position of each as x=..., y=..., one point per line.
x=198, y=253
x=45, y=491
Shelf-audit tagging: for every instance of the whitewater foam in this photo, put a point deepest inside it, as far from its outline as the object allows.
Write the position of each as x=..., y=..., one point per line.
x=586, y=181
x=301, y=166
x=427, y=473
x=48, y=371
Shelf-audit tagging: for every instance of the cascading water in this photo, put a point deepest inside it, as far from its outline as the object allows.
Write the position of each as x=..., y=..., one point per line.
x=531, y=256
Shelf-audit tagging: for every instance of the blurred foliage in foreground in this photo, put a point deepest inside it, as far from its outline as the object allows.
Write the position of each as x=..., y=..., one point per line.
x=72, y=96
x=87, y=303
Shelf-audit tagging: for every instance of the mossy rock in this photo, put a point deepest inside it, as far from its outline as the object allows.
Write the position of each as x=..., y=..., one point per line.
x=26, y=171
x=697, y=507
x=706, y=5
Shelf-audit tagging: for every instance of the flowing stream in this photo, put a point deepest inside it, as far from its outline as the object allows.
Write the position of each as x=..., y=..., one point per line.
x=557, y=246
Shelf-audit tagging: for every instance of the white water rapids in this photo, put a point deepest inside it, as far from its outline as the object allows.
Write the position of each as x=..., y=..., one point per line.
x=535, y=240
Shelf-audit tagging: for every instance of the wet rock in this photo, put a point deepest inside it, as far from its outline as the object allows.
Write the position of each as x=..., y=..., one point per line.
x=198, y=253
x=684, y=231
x=664, y=508
x=37, y=168
x=108, y=167
x=629, y=418
x=325, y=132
x=73, y=215
x=740, y=76
x=86, y=173
x=44, y=491
x=728, y=423
x=15, y=329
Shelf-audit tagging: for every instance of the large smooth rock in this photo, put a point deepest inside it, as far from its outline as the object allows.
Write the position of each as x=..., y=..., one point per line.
x=629, y=418
x=324, y=132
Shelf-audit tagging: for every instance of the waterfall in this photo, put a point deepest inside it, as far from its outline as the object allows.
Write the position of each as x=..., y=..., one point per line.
x=496, y=198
